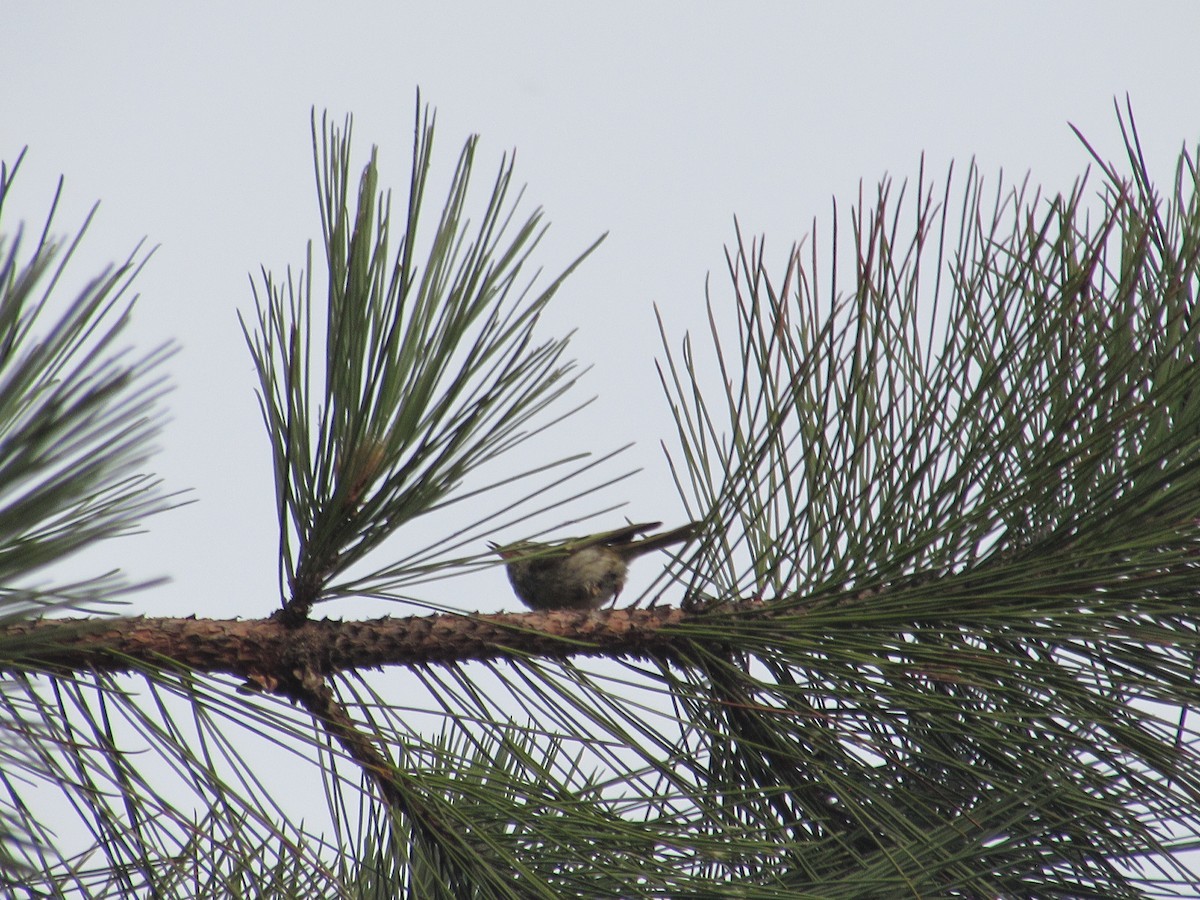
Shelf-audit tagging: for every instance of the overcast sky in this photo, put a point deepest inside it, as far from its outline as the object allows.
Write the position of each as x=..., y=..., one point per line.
x=655, y=122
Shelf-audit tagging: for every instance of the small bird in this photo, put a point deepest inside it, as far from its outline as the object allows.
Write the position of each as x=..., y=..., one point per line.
x=582, y=573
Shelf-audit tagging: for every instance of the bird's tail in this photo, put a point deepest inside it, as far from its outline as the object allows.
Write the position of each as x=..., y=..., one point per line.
x=680, y=535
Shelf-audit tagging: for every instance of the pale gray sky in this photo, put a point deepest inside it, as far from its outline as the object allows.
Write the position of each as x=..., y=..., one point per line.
x=656, y=122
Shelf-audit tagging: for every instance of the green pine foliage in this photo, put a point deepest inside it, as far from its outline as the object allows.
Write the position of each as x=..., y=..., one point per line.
x=940, y=635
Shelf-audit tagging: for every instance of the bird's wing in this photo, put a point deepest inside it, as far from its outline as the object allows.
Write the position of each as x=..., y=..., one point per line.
x=616, y=536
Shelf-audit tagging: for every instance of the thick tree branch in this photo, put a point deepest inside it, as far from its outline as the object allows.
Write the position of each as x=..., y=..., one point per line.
x=272, y=653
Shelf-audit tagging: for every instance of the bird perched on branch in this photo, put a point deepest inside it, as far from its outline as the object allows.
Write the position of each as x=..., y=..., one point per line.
x=586, y=572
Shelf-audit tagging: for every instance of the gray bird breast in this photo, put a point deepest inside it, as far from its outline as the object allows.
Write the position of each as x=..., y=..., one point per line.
x=585, y=579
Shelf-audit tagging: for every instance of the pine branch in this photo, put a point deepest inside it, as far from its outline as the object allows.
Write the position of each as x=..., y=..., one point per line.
x=271, y=653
